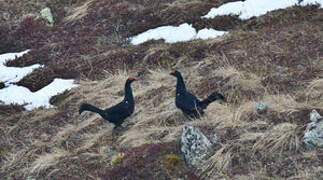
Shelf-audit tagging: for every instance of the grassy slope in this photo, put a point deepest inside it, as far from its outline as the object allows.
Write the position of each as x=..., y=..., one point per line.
x=276, y=58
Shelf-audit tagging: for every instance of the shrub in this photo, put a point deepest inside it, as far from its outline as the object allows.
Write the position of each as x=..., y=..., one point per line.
x=149, y=161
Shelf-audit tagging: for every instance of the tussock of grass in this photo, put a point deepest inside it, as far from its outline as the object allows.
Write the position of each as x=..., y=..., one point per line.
x=283, y=103
x=235, y=84
x=91, y=139
x=282, y=137
x=314, y=91
x=219, y=162
x=47, y=160
x=78, y=12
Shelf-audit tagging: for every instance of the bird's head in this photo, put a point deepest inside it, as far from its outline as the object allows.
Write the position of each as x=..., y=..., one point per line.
x=130, y=80
x=175, y=73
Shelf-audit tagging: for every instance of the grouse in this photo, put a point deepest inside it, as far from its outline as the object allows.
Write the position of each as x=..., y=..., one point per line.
x=187, y=102
x=119, y=112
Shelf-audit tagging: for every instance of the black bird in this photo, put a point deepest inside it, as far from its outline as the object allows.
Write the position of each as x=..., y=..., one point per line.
x=119, y=112
x=187, y=102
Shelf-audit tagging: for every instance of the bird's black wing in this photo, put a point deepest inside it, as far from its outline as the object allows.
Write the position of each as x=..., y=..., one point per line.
x=119, y=112
x=187, y=102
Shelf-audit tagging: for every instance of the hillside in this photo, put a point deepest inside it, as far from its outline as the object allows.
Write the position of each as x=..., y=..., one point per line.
x=276, y=58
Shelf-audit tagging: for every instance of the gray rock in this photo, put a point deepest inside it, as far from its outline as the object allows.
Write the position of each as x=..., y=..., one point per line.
x=315, y=116
x=313, y=136
x=215, y=140
x=261, y=107
x=47, y=15
x=194, y=145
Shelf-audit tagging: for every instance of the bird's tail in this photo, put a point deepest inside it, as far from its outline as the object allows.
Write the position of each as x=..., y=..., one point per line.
x=89, y=107
x=214, y=96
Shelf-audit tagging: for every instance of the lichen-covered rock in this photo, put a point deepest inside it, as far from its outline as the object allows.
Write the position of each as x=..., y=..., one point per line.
x=194, y=145
x=261, y=107
x=315, y=116
x=47, y=15
x=313, y=136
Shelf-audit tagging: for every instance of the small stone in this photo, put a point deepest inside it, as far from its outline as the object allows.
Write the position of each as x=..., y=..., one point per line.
x=261, y=107
x=47, y=15
x=315, y=116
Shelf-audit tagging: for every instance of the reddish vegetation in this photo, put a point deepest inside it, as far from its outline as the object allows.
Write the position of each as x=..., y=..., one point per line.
x=147, y=162
x=10, y=109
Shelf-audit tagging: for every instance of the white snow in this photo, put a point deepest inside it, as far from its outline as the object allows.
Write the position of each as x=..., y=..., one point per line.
x=10, y=56
x=21, y=95
x=14, y=74
x=209, y=33
x=172, y=34
x=249, y=8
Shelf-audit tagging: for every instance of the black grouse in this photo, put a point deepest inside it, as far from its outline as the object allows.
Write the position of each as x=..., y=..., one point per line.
x=187, y=102
x=119, y=112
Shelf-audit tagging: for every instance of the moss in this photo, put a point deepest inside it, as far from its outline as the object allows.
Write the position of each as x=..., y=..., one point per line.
x=118, y=159
x=59, y=98
x=3, y=150
x=166, y=61
x=171, y=161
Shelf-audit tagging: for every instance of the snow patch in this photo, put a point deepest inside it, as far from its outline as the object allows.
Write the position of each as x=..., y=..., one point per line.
x=14, y=74
x=209, y=33
x=11, y=56
x=22, y=95
x=173, y=34
x=249, y=8
x=170, y=34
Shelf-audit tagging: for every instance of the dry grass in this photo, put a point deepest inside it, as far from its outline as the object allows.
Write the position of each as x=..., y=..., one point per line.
x=79, y=12
x=47, y=160
x=314, y=91
x=284, y=103
x=282, y=137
